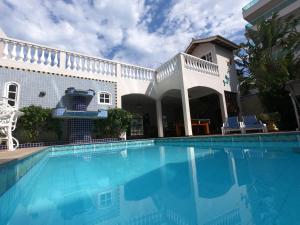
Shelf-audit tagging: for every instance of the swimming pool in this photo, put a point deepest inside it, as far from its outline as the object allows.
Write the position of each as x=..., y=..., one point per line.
x=212, y=181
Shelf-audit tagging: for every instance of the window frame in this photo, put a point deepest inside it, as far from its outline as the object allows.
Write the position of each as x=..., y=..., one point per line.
x=17, y=93
x=205, y=57
x=109, y=98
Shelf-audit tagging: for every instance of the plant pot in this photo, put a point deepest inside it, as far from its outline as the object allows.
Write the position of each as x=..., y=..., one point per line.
x=271, y=125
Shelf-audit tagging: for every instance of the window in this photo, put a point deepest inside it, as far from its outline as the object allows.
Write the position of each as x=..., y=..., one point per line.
x=105, y=199
x=207, y=57
x=104, y=98
x=12, y=93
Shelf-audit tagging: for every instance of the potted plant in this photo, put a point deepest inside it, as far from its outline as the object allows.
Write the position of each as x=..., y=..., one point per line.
x=270, y=119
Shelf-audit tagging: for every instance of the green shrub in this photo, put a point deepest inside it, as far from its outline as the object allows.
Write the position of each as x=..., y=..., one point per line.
x=117, y=123
x=35, y=122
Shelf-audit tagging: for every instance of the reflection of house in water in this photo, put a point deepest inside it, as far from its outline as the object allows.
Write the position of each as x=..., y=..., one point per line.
x=205, y=190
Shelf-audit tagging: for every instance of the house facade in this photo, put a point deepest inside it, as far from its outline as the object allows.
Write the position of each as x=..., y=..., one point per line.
x=195, y=85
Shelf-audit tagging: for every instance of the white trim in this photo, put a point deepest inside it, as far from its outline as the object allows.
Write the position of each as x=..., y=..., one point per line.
x=104, y=103
x=5, y=94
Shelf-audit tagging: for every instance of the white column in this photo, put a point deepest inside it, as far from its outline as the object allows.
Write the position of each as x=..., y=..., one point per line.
x=185, y=99
x=223, y=106
x=160, y=127
x=186, y=112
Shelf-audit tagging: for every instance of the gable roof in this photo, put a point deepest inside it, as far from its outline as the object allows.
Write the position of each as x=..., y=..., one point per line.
x=219, y=40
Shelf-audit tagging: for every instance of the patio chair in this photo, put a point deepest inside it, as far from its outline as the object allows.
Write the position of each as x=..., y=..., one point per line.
x=232, y=124
x=252, y=123
x=8, y=121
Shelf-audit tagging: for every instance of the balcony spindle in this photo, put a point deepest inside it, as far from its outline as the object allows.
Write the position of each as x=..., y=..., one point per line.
x=55, y=60
x=79, y=63
x=69, y=62
x=21, y=53
x=48, y=58
x=42, y=59
x=35, y=56
x=28, y=54
x=14, y=51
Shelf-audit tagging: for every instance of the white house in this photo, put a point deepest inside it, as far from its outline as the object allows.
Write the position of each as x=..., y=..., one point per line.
x=193, y=86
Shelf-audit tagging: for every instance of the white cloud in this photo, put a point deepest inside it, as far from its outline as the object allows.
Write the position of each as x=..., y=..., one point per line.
x=120, y=28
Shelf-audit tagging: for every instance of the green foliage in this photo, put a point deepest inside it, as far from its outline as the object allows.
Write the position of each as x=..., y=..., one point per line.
x=268, y=60
x=36, y=121
x=117, y=123
x=269, y=117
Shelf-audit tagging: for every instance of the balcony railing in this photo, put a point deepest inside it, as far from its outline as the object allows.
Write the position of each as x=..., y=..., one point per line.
x=39, y=57
x=249, y=5
x=200, y=65
x=28, y=55
x=168, y=68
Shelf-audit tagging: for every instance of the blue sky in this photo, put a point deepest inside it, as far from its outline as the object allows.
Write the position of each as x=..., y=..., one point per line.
x=143, y=32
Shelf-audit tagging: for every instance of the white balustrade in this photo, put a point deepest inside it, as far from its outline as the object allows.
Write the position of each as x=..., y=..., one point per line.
x=200, y=65
x=40, y=57
x=24, y=52
x=168, y=69
x=136, y=72
x=77, y=62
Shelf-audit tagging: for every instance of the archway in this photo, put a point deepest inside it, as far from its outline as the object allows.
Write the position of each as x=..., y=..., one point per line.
x=205, y=107
x=143, y=108
x=172, y=113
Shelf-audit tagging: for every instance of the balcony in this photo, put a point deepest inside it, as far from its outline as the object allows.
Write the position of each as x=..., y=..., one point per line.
x=249, y=5
x=25, y=55
x=264, y=9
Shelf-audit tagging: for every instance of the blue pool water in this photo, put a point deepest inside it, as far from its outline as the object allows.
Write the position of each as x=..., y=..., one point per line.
x=163, y=183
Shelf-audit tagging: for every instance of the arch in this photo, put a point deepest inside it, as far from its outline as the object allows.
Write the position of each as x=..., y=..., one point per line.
x=143, y=108
x=12, y=93
x=202, y=91
x=204, y=103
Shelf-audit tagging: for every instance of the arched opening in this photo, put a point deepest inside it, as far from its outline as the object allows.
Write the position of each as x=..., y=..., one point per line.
x=205, y=110
x=143, y=108
x=172, y=114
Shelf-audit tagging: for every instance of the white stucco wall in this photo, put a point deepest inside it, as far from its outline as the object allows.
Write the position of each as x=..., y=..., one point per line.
x=226, y=65
x=203, y=49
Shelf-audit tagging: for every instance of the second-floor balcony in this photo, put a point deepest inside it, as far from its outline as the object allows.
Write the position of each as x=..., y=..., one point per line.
x=26, y=55
x=258, y=10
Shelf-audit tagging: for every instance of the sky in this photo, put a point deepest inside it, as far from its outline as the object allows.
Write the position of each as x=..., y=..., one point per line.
x=141, y=32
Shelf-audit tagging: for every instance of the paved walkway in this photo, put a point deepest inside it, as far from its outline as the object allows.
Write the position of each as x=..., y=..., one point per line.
x=6, y=156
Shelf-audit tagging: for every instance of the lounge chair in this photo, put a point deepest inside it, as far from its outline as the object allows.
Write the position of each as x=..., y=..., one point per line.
x=232, y=124
x=252, y=123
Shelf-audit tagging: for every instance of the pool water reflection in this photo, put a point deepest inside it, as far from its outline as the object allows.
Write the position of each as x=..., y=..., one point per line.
x=160, y=184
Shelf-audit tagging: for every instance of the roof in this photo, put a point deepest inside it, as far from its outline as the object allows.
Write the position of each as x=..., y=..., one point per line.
x=219, y=40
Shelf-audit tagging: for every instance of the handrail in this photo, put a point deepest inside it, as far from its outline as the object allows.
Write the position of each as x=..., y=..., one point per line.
x=250, y=5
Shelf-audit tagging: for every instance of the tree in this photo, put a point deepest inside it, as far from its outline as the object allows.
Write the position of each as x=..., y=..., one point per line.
x=269, y=59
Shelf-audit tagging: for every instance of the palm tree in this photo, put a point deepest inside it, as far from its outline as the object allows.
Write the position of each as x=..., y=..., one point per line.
x=271, y=57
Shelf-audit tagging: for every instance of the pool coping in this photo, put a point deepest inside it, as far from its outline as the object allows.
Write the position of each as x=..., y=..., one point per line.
x=11, y=156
